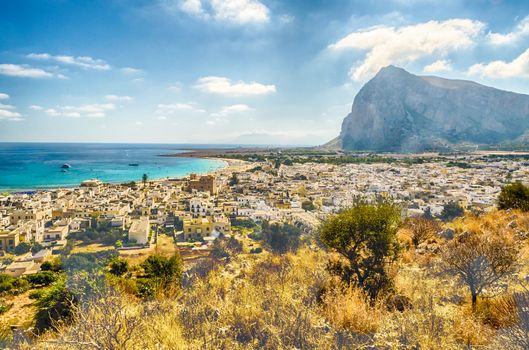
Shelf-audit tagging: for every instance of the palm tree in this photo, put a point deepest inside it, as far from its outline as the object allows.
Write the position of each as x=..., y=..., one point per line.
x=144, y=179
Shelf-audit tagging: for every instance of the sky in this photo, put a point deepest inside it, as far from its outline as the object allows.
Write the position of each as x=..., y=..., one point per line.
x=234, y=71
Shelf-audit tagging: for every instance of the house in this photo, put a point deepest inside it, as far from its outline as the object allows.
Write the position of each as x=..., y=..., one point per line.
x=139, y=230
x=56, y=233
x=202, y=184
x=20, y=268
x=197, y=228
x=9, y=240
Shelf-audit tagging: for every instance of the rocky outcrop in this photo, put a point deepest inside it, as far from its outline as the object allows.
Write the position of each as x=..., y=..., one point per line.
x=399, y=111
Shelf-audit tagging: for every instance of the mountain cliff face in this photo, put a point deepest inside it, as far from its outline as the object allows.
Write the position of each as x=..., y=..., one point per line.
x=399, y=111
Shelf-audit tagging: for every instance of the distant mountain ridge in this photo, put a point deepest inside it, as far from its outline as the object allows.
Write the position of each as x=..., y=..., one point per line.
x=400, y=112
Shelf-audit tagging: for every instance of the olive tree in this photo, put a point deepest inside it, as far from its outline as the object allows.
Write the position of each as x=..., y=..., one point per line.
x=480, y=261
x=365, y=238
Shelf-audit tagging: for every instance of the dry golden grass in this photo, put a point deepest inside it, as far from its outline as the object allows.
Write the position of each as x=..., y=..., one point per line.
x=21, y=313
x=266, y=301
x=349, y=310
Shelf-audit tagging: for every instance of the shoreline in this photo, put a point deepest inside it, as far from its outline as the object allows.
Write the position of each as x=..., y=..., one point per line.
x=230, y=165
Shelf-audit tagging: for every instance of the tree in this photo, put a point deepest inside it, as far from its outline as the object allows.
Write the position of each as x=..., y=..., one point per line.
x=480, y=261
x=37, y=247
x=365, y=236
x=118, y=266
x=451, y=210
x=234, y=180
x=421, y=229
x=144, y=179
x=22, y=248
x=308, y=205
x=514, y=196
x=166, y=270
x=280, y=238
x=427, y=213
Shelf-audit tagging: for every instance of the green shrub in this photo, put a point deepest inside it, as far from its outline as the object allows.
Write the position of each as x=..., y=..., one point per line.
x=43, y=278
x=54, y=304
x=12, y=285
x=22, y=248
x=514, y=196
x=52, y=265
x=166, y=270
x=118, y=266
x=280, y=238
x=451, y=210
x=366, y=238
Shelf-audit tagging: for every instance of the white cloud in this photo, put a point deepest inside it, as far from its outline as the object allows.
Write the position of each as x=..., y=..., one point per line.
x=176, y=87
x=10, y=115
x=226, y=111
x=438, y=66
x=3, y=96
x=193, y=7
x=3, y=106
x=95, y=110
x=165, y=109
x=521, y=31
x=224, y=86
x=238, y=12
x=84, y=62
x=130, y=70
x=15, y=70
x=400, y=45
x=7, y=112
x=36, y=108
x=118, y=98
x=519, y=67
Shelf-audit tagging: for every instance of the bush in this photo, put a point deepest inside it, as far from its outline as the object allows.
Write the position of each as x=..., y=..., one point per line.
x=514, y=196
x=365, y=236
x=12, y=285
x=54, y=304
x=118, y=266
x=43, y=278
x=246, y=223
x=37, y=247
x=421, y=229
x=89, y=261
x=308, y=206
x=22, y=248
x=480, y=261
x=165, y=270
x=280, y=238
x=256, y=250
x=451, y=210
x=52, y=265
x=4, y=307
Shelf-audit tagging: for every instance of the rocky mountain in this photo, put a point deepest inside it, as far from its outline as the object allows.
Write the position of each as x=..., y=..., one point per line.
x=399, y=111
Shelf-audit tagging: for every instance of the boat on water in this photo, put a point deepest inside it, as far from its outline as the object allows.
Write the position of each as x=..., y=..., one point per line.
x=133, y=164
x=66, y=166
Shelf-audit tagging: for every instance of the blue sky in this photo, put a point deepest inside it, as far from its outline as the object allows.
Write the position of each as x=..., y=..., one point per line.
x=234, y=71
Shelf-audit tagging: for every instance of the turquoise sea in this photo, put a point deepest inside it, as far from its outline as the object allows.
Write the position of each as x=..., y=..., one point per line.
x=30, y=166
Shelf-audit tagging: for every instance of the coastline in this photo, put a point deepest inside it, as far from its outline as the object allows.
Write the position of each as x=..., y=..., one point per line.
x=230, y=166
